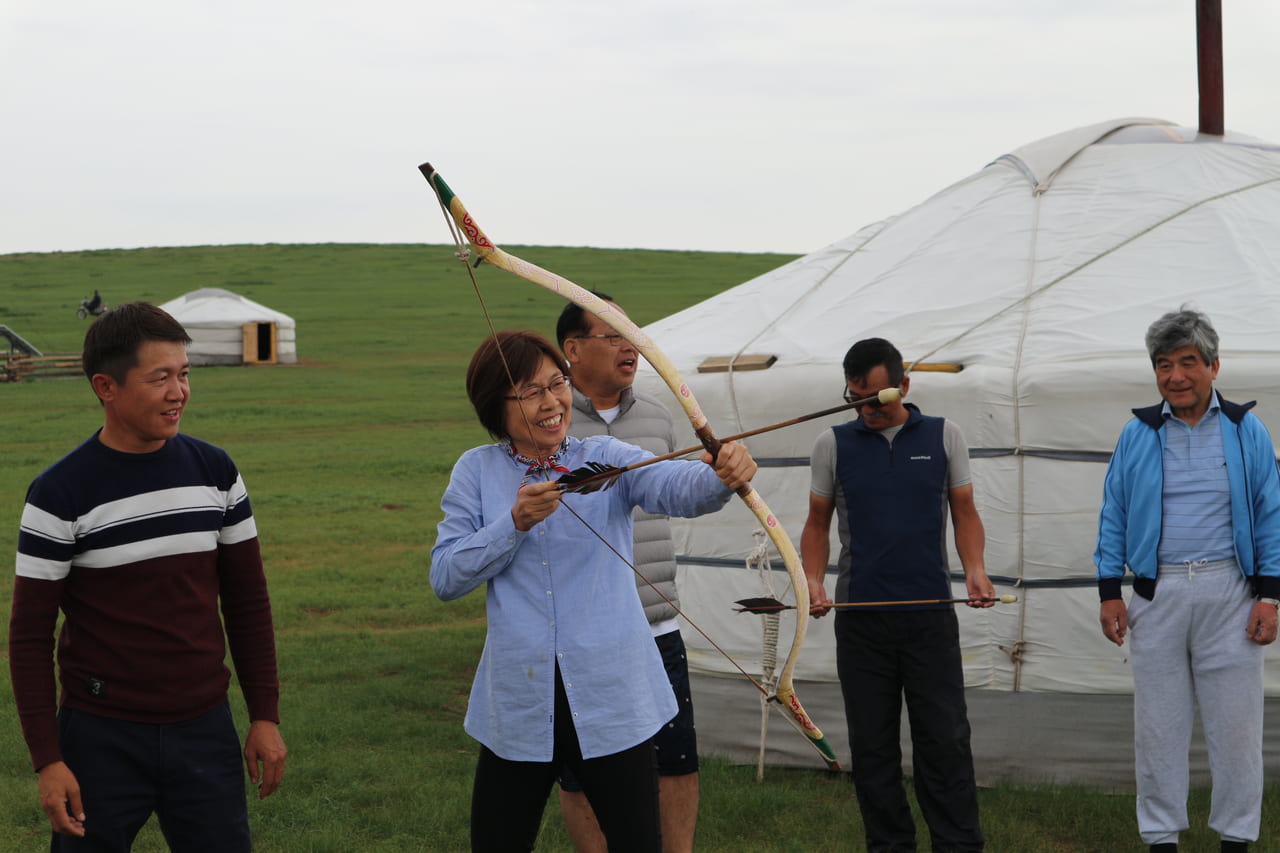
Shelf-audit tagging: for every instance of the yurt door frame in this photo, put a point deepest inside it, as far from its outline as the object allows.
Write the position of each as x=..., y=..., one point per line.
x=259, y=343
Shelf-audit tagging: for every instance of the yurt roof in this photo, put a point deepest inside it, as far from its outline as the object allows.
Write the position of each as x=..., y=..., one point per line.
x=1061, y=248
x=214, y=305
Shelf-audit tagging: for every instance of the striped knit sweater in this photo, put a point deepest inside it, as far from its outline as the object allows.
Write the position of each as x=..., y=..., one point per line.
x=139, y=552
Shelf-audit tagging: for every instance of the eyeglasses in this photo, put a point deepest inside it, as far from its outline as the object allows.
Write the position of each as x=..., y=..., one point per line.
x=614, y=339
x=533, y=393
x=870, y=404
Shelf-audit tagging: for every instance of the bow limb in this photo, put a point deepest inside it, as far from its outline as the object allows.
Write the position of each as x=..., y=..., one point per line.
x=612, y=316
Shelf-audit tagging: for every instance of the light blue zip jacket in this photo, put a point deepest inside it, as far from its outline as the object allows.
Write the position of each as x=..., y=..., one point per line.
x=1132, y=502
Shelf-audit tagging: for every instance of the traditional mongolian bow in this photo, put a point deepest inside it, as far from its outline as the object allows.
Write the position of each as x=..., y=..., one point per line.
x=485, y=250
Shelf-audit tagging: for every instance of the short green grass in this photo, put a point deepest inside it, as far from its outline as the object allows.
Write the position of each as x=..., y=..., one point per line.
x=345, y=456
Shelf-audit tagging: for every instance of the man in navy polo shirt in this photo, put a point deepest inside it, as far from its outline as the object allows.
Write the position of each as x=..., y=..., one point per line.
x=892, y=476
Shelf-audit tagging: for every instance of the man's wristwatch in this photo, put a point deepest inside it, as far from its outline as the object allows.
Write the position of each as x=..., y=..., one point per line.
x=1274, y=602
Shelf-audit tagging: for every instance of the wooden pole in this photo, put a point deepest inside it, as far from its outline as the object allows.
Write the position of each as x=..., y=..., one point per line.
x=1209, y=65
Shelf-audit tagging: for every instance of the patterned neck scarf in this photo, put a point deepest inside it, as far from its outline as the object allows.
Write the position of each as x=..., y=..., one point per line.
x=543, y=466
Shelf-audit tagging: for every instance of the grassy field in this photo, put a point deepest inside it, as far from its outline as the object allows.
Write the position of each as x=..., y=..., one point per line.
x=345, y=456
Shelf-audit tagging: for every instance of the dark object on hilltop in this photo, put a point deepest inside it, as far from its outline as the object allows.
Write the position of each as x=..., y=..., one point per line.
x=91, y=307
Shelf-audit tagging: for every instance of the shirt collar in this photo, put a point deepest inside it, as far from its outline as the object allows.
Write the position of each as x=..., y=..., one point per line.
x=1215, y=404
x=543, y=466
x=583, y=403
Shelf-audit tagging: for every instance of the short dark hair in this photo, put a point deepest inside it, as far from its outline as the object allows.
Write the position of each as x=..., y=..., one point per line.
x=1185, y=327
x=868, y=354
x=573, y=319
x=488, y=381
x=111, y=345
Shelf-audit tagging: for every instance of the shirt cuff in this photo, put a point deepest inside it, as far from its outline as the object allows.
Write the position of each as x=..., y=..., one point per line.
x=1109, y=589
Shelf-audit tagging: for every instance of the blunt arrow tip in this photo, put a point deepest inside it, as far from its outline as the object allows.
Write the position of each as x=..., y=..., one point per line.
x=889, y=395
x=1008, y=599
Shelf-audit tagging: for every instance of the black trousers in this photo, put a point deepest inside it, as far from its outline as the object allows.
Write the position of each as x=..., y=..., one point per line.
x=882, y=657
x=190, y=774
x=508, y=797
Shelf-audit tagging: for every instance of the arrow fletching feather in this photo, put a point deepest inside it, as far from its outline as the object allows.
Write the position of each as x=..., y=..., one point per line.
x=591, y=477
x=763, y=604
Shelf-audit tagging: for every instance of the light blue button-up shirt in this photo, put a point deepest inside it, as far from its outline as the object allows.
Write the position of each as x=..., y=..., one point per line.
x=1196, y=522
x=556, y=594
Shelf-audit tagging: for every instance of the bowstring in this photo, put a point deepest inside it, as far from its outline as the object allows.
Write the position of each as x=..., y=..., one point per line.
x=462, y=251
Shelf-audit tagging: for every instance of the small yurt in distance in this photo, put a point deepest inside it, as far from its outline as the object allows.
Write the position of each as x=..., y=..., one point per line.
x=227, y=328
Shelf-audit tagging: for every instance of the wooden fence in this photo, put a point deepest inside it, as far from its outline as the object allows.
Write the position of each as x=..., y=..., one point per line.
x=19, y=366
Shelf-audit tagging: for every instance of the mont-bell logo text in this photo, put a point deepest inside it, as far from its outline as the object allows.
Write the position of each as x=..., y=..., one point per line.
x=925, y=458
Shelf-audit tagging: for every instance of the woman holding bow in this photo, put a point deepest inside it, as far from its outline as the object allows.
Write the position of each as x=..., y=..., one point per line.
x=569, y=674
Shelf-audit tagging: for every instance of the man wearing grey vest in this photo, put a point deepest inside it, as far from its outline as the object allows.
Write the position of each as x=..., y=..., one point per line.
x=603, y=366
x=892, y=476
x=1191, y=505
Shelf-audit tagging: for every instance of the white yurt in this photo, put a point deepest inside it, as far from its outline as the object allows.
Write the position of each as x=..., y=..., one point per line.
x=227, y=328
x=1023, y=292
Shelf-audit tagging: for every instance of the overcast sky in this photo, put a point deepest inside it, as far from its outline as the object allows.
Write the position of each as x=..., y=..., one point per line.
x=700, y=124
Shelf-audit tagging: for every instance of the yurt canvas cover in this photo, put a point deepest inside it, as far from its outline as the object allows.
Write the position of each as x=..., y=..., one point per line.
x=227, y=328
x=1037, y=276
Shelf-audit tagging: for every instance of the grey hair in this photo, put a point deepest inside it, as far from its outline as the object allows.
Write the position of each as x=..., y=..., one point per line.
x=1183, y=328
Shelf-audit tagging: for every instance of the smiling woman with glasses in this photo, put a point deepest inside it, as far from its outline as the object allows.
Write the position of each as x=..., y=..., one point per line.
x=557, y=593
x=533, y=392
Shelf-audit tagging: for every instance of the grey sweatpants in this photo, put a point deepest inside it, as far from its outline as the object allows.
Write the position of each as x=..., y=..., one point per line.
x=1190, y=649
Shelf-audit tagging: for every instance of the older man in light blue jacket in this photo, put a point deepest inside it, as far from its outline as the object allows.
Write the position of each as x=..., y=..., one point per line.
x=1191, y=506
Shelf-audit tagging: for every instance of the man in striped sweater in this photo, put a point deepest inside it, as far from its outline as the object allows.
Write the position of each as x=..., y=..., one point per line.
x=142, y=537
